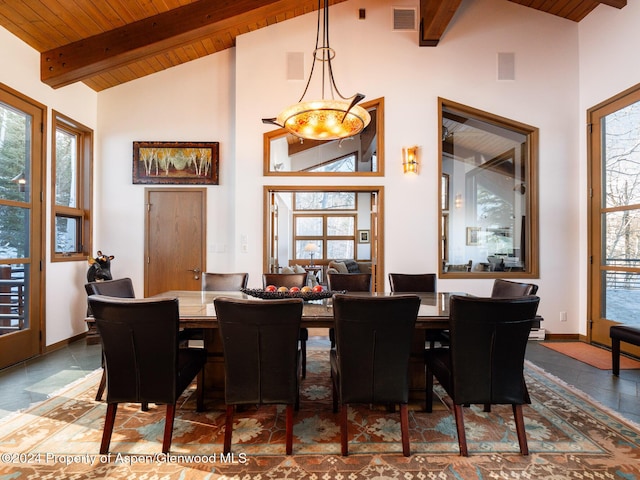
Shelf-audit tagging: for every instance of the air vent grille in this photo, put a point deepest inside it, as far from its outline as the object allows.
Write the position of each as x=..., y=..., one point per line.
x=404, y=19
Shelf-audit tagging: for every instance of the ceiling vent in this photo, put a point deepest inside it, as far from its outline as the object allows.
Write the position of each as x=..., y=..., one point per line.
x=404, y=19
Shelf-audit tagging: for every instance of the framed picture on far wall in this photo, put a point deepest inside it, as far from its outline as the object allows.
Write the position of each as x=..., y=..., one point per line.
x=473, y=235
x=174, y=163
x=363, y=236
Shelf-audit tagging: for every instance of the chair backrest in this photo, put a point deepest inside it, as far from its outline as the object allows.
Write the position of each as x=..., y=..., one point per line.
x=403, y=282
x=260, y=345
x=351, y=282
x=284, y=279
x=373, y=344
x=140, y=347
x=121, y=287
x=224, y=282
x=488, y=342
x=505, y=288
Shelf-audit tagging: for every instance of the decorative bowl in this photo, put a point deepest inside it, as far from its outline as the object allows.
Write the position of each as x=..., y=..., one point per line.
x=259, y=293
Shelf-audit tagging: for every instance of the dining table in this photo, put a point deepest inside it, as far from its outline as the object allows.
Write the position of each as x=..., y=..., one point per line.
x=197, y=312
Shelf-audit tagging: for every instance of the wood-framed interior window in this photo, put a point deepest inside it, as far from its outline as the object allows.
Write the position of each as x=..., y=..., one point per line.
x=488, y=195
x=71, y=183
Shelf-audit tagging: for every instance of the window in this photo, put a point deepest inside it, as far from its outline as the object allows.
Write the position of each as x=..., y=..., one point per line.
x=72, y=153
x=334, y=234
x=488, y=195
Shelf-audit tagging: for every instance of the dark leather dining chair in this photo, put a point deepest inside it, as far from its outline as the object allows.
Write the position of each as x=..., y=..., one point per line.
x=349, y=282
x=405, y=282
x=284, y=279
x=416, y=283
x=370, y=363
x=121, y=288
x=506, y=288
x=143, y=361
x=291, y=280
x=224, y=282
x=261, y=357
x=485, y=361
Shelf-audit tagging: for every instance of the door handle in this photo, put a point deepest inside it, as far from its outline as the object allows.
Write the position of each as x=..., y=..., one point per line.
x=195, y=271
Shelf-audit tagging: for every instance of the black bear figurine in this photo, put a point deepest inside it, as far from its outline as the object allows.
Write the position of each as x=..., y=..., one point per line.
x=99, y=267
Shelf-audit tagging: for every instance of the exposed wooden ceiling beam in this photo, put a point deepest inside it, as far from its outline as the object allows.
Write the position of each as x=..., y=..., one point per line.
x=435, y=16
x=154, y=35
x=615, y=3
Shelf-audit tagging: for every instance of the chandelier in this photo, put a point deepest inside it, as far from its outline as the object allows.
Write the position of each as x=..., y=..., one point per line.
x=328, y=118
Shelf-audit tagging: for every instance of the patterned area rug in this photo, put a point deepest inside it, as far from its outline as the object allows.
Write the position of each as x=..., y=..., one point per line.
x=569, y=437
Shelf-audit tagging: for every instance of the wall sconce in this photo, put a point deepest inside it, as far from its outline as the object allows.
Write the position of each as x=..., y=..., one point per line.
x=410, y=159
x=458, y=200
x=21, y=181
x=312, y=248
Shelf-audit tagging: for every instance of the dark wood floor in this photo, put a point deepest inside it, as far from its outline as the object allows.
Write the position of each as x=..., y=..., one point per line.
x=31, y=381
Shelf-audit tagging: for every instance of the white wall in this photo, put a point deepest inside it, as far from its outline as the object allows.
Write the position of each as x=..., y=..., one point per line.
x=562, y=68
x=372, y=59
x=66, y=300
x=193, y=102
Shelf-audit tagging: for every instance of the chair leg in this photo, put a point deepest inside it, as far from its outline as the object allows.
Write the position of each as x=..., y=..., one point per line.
x=200, y=391
x=344, y=434
x=168, y=427
x=615, y=356
x=303, y=352
x=334, y=394
x=462, y=437
x=522, y=434
x=404, y=429
x=289, y=429
x=144, y=406
x=102, y=386
x=487, y=407
x=109, y=420
x=428, y=391
x=228, y=428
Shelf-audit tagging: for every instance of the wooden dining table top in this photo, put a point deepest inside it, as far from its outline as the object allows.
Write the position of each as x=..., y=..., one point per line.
x=197, y=309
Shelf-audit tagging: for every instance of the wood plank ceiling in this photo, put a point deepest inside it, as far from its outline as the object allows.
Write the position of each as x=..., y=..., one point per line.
x=107, y=43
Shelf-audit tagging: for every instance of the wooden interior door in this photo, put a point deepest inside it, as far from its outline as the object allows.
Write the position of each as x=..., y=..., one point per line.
x=175, y=227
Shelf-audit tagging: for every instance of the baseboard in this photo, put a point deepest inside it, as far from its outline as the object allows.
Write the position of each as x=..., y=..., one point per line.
x=63, y=343
x=567, y=337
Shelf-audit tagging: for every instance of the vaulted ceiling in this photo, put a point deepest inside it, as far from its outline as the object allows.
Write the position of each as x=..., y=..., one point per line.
x=106, y=43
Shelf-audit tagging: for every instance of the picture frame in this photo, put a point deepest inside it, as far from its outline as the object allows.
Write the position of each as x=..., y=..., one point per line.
x=363, y=236
x=473, y=235
x=176, y=163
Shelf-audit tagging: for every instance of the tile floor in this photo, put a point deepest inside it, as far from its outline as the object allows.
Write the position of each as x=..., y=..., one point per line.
x=30, y=382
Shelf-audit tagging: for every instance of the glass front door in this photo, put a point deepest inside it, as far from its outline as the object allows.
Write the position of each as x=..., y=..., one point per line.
x=20, y=227
x=615, y=216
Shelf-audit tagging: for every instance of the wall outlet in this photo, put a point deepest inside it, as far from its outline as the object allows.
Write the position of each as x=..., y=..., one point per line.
x=563, y=316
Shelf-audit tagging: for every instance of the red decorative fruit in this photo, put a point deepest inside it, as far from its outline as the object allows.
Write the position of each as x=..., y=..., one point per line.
x=270, y=288
x=294, y=290
x=318, y=288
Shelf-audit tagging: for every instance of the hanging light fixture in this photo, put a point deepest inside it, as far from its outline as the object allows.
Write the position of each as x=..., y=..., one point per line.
x=328, y=118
